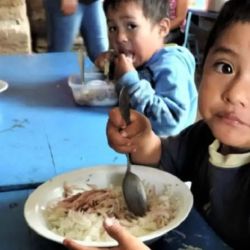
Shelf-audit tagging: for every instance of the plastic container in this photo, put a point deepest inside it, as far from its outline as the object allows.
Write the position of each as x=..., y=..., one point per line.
x=95, y=91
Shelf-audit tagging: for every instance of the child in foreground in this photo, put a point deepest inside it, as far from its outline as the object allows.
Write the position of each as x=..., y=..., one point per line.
x=159, y=78
x=214, y=153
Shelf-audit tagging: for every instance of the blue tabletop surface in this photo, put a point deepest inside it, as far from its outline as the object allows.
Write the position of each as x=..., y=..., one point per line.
x=42, y=131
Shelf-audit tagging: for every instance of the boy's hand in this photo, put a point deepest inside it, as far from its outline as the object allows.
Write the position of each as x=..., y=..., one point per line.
x=68, y=7
x=123, y=64
x=123, y=138
x=137, y=139
x=125, y=240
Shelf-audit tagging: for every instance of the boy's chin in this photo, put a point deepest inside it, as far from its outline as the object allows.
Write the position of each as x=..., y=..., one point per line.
x=233, y=140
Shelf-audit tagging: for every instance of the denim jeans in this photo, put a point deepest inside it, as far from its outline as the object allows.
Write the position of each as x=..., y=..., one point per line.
x=89, y=20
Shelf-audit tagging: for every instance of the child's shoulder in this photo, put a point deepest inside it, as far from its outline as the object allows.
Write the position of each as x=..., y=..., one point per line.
x=174, y=49
x=174, y=55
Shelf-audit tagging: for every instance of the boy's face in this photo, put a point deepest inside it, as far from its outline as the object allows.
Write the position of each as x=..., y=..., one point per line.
x=224, y=97
x=134, y=35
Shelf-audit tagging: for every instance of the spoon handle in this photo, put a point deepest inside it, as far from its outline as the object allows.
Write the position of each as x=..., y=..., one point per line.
x=80, y=56
x=128, y=163
x=124, y=105
x=124, y=102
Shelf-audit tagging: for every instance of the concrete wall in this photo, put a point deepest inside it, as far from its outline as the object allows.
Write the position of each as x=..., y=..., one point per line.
x=15, y=37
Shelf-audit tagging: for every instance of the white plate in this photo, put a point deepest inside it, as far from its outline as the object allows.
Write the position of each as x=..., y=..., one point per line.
x=3, y=85
x=103, y=176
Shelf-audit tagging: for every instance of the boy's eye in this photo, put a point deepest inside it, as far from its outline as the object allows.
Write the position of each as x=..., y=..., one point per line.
x=131, y=26
x=224, y=68
x=112, y=28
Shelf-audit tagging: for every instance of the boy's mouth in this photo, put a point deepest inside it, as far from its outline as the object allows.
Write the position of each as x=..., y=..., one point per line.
x=231, y=118
x=127, y=53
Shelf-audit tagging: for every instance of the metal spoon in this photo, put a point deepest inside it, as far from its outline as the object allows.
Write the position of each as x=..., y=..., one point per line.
x=109, y=66
x=80, y=56
x=132, y=187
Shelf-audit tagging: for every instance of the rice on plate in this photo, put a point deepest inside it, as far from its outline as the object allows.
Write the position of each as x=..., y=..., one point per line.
x=74, y=204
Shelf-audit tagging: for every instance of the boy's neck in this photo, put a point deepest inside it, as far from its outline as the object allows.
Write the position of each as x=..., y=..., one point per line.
x=225, y=150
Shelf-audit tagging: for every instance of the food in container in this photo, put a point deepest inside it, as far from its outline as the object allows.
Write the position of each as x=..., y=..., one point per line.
x=94, y=91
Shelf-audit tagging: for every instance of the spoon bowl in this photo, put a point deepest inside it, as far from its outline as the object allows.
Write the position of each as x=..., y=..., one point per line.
x=133, y=189
x=134, y=192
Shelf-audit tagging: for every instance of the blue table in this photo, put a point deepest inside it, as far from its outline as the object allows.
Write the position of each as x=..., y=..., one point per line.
x=44, y=133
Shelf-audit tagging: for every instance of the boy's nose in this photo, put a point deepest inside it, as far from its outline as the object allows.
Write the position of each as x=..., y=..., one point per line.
x=238, y=92
x=121, y=37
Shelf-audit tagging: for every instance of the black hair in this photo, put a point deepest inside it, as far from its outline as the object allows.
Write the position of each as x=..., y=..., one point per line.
x=155, y=10
x=233, y=11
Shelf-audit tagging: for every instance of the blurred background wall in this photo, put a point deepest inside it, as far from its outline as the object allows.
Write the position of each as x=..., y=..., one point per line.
x=15, y=36
x=23, y=25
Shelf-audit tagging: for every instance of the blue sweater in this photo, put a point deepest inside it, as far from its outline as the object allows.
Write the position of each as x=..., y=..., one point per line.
x=164, y=90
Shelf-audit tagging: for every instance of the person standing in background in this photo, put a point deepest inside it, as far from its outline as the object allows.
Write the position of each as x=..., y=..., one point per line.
x=177, y=12
x=66, y=18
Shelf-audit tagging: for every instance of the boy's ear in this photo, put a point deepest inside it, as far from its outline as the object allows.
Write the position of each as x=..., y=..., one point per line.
x=164, y=26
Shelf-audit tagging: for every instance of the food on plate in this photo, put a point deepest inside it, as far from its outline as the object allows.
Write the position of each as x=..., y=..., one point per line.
x=95, y=92
x=80, y=212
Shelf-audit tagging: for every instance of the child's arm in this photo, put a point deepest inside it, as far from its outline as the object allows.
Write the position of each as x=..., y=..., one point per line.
x=164, y=90
x=137, y=138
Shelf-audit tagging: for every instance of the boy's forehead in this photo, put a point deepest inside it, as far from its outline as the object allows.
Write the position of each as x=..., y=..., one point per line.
x=233, y=34
x=231, y=44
